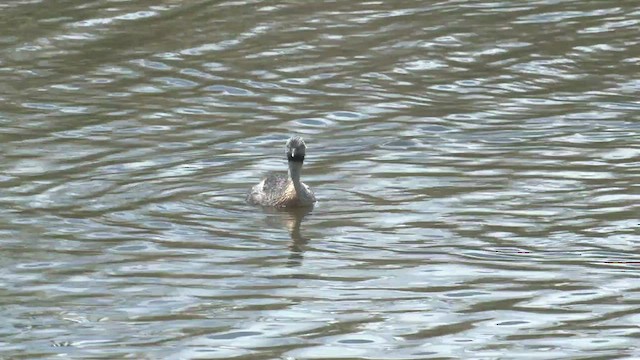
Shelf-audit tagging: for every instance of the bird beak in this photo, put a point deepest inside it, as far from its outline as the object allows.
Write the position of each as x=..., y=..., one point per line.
x=293, y=153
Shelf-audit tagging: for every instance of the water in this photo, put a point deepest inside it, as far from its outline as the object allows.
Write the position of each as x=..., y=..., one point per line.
x=476, y=163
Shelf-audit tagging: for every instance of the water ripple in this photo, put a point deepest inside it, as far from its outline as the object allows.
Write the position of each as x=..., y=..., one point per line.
x=476, y=165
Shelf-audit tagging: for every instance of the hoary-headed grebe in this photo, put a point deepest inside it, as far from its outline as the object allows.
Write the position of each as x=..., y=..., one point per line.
x=280, y=190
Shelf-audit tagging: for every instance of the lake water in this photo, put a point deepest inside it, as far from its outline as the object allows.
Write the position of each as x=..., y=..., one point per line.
x=477, y=166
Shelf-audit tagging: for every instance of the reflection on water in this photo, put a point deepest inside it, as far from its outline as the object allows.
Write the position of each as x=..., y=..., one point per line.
x=291, y=219
x=476, y=166
x=298, y=241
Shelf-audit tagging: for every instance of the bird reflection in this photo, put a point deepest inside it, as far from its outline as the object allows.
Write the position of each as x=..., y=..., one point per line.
x=292, y=218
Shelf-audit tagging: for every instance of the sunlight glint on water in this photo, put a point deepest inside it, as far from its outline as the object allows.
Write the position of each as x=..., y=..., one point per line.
x=476, y=165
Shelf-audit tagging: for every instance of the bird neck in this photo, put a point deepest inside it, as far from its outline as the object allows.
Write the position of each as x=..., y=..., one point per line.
x=295, y=168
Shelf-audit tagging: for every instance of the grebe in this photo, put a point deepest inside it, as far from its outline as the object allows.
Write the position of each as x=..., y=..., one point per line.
x=280, y=190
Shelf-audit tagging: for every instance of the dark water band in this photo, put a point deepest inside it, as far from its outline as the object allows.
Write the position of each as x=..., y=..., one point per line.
x=299, y=158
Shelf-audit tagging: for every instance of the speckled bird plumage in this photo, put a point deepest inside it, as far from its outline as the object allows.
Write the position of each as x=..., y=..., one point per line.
x=285, y=190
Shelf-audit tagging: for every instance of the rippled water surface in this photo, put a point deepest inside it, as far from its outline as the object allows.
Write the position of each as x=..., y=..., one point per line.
x=477, y=167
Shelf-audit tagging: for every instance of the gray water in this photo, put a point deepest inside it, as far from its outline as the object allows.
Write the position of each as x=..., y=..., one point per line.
x=476, y=164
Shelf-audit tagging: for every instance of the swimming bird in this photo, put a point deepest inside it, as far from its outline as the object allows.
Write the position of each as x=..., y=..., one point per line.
x=285, y=191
